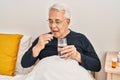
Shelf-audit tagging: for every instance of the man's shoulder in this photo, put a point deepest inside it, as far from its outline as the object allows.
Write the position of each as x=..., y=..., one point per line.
x=73, y=33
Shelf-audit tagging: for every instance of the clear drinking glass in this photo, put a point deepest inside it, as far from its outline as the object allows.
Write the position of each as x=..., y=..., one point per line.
x=62, y=42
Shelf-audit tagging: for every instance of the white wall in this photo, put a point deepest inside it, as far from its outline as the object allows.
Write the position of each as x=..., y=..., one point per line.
x=99, y=20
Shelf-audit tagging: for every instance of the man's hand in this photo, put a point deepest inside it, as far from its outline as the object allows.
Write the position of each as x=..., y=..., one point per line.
x=70, y=52
x=43, y=40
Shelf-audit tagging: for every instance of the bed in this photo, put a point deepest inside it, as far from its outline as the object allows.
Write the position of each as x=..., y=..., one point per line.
x=49, y=68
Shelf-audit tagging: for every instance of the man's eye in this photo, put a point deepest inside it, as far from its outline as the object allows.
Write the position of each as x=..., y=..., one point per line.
x=50, y=21
x=57, y=22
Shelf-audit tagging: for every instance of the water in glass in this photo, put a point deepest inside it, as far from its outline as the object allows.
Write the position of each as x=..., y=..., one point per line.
x=62, y=42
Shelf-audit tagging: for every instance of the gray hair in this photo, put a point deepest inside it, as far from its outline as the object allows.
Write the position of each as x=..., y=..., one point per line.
x=61, y=7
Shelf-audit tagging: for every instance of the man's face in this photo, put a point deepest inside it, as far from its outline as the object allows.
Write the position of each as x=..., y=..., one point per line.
x=58, y=23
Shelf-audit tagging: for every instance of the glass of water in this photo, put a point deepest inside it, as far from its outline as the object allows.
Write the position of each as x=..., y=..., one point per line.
x=62, y=42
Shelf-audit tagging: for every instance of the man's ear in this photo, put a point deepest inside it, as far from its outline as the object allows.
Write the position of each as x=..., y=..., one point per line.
x=68, y=21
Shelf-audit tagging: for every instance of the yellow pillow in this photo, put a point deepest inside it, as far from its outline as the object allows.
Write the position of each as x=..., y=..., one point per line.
x=9, y=46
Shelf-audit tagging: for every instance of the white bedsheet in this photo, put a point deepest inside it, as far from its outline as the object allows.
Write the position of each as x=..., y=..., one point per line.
x=17, y=77
x=54, y=68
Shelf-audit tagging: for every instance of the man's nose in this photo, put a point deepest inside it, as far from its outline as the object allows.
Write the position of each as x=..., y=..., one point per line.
x=53, y=25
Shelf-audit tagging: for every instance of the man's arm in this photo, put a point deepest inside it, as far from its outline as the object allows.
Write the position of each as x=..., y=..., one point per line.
x=89, y=57
x=32, y=54
x=28, y=59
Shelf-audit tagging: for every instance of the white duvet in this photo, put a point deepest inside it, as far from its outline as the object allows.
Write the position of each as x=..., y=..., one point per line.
x=54, y=68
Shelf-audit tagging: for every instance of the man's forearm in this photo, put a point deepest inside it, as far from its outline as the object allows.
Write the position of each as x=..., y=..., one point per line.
x=28, y=59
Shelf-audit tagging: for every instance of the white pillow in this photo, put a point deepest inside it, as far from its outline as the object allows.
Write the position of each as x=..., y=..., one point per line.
x=24, y=46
